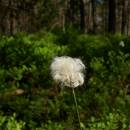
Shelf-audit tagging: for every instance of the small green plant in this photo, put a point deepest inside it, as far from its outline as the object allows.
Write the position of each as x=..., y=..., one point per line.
x=11, y=123
x=112, y=121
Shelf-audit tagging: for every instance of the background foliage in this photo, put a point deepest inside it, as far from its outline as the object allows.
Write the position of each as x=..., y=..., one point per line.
x=30, y=100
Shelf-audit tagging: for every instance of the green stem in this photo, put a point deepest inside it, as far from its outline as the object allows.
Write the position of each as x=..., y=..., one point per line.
x=76, y=105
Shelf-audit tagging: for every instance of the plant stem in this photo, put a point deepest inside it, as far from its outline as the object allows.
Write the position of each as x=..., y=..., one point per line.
x=76, y=105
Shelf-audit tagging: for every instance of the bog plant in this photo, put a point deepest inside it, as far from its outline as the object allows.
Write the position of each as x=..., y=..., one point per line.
x=68, y=72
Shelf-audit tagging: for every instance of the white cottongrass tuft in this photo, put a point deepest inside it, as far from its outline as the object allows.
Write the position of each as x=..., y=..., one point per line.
x=122, y=44
x=68, y=71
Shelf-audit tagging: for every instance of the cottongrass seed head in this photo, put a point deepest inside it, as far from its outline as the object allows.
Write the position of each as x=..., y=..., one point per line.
x=68, y=71
x=122, y=44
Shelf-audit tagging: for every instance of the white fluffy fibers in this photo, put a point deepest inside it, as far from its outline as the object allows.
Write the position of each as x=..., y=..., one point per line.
x=122, y=44
x=68, y=71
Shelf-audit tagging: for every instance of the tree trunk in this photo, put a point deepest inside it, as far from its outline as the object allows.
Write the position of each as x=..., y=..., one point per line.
x=89, y=23
x=128, y=25
x=72, y=11
x=11, y=17
x=123, y=24
x=105, y=16
x=82, y=15
x=112, y=16
x=93, y=16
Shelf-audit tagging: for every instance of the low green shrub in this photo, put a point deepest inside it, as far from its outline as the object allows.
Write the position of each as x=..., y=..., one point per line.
x=25, y=59
x=112, y=121
x=11, y=123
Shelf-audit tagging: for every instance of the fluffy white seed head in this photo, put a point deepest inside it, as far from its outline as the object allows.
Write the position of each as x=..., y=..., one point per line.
x=122, y=44
x=68, y=71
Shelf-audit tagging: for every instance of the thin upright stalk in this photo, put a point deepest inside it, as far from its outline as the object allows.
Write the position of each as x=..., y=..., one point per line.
x=76, y=105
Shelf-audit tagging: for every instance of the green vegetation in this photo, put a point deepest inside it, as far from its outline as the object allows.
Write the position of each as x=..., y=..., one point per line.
x=30, y=100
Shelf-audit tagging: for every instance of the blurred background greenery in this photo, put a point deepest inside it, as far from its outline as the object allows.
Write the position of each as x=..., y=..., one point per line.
x=29, y=98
